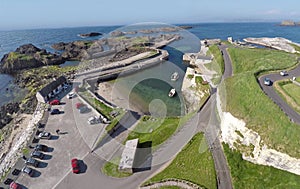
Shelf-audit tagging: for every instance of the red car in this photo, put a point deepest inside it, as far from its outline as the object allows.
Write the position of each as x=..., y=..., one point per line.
x=79, y=105
x=14, y=185
x=75, y=165
x=54, y=102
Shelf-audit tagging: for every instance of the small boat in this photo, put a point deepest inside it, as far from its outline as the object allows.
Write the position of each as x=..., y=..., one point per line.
x=174, y=76
x=172, y=92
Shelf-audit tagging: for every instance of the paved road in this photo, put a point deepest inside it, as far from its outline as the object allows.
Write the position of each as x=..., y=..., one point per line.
x=227, y=61
x=270, y=91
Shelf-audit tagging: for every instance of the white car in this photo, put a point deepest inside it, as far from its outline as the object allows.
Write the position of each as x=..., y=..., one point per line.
x=71, y=95
x=283, y=73
x=93, y=120
x=44, y=135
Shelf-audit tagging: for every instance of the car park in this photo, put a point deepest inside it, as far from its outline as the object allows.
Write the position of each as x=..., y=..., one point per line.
x=55, y=111
x=75, y=165
x=71, y=95
x=44, y=135
x=54, y=102
x=14, y=185
x=283, y=73
x=267, y=81
x=32, y=162
x=37, y=154
x=41, y=147
x=27, y=170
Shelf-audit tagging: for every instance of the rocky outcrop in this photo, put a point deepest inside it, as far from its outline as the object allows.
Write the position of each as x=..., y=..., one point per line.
x=92, y=34
x=289, y=23
x=275, y=43
x=7, y=112
x=74, y=50
x=28, y=56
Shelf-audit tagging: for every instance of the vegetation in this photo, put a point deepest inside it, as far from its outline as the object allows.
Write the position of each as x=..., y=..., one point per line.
x=290, y=93
x=110, y=168
x=12, y=56
x=156, y=130
x=248, y=175
x=217, y=63
x=191, y=165
x=115, y=121
x=297, y=48
x=190, y=76
x=246, y=100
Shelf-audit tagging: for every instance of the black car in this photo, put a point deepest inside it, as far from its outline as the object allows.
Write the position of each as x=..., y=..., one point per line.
x=37, y=154
x=55, y=111
x=41, y=147
x=32, y=162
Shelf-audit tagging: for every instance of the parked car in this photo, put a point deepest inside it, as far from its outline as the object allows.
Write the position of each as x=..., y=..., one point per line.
x=83, y=109
x=55, y=111
x=93, y=120
x=44, y=135
x=79, y=105
x=54, y=102
x=75, y=165
x=267, y=81
x=71, y=95
x=32, y=162
x=28, y=171
x=37, y=154
x=41, y=147
x=14, y=185
x=283, y=73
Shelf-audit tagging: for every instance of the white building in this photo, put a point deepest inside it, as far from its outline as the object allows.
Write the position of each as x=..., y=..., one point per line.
x=128, y=156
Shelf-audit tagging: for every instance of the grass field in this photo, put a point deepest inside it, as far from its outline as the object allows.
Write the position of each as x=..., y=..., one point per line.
x=248, y=175
x=155, y=130
x=290, y=93
x=245, y=99
x=217, y=63
x=111, y=169
x=191, y=165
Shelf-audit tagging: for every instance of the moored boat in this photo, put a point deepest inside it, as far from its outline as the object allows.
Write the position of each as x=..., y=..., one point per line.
x=172, y=92
x=174, y=76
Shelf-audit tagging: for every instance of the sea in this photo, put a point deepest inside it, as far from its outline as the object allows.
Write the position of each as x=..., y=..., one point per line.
x=44, y=38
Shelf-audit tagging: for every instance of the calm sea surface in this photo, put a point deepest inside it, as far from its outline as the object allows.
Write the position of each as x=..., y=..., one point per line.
x=44, y=38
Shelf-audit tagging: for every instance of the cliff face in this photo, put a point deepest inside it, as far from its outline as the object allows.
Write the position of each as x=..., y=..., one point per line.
x=28, y=56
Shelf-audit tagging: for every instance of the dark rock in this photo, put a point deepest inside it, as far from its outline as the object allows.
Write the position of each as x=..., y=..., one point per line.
x=7, y=111
x=186, y=27
x=28, y=56
x=117, y=33
x=92, y=34
x=73, y=50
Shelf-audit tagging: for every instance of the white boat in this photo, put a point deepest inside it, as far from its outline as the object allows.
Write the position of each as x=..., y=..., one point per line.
x=174, y=76
x=172, y=92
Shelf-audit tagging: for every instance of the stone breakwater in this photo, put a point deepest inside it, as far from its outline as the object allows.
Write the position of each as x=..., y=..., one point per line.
x=10, y=159
x=275, y=43
x=234, y=132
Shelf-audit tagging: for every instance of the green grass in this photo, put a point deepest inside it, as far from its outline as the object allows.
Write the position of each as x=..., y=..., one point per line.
x=245, y=99
x=17, y=56
x=298, y=79
x=110, y=168
x=293, y=91
x=297, y=48
x=25, y=151
x=115, y=121
x=190, y=76
x=103, y=108
x=260, y=60
x=156, y=130
x=218, y=62
x=248, y=175
x=191, y=165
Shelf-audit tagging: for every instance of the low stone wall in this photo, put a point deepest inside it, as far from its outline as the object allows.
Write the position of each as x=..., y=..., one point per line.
x=172, y=182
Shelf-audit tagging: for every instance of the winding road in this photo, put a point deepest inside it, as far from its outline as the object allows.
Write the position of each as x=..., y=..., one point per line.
x=272, y=94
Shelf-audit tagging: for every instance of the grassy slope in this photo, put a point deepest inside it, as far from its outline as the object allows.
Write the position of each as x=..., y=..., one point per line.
x=191, y=165
x=246, y=100
x=248, y=175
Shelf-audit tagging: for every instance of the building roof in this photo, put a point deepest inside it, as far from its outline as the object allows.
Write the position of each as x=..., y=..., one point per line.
x=52, y=86
x=128, y=154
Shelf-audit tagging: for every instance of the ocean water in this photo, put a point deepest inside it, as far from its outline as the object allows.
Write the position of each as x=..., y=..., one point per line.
x=44, y=38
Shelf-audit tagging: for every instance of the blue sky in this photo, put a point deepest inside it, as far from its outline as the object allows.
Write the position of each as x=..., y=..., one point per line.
x=26, y=14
